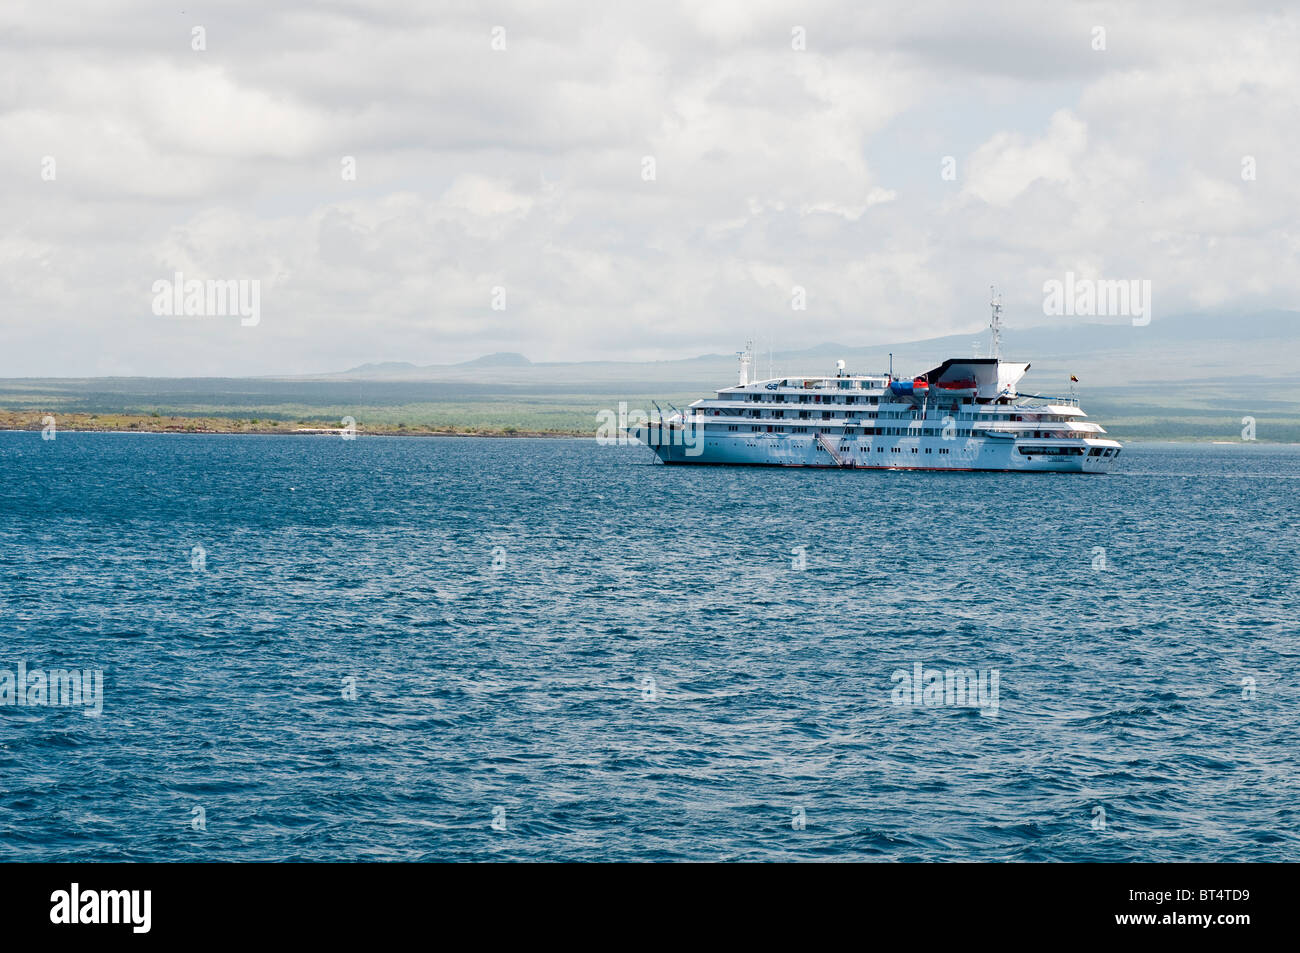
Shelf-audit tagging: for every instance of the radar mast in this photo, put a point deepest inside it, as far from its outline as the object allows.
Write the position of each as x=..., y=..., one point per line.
x=746, y=358
x=995, y=323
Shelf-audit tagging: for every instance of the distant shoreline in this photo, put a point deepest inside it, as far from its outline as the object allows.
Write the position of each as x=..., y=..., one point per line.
x=131, y=423
x=360, y=432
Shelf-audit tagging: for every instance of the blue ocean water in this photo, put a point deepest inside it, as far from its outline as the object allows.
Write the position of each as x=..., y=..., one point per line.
x=444, y=648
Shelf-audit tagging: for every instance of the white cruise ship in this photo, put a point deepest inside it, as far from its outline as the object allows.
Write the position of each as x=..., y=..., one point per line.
x=965, y=414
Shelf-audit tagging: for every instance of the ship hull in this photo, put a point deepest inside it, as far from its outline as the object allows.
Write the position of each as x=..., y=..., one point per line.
x=876, y=453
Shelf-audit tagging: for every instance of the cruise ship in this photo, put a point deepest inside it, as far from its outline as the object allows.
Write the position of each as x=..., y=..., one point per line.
x=964, y=414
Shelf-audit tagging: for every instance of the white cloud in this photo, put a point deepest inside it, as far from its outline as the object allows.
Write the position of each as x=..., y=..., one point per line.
x=523, y=168
x=1009, y=163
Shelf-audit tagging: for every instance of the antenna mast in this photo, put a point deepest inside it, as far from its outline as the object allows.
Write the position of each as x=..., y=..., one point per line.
x=995, y=323
x=746, y=358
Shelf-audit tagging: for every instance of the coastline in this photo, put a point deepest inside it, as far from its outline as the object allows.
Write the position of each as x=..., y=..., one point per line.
x=140, y=423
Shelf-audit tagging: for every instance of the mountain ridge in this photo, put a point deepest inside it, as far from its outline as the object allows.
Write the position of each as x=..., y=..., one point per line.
x=1179, y=348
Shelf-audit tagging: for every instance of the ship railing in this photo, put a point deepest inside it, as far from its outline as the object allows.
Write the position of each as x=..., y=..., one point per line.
x=1063, y=401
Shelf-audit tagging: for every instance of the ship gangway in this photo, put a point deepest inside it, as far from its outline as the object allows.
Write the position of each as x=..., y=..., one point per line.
x=829, y=446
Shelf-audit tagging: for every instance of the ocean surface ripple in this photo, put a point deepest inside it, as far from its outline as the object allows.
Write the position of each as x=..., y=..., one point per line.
x=528, y=649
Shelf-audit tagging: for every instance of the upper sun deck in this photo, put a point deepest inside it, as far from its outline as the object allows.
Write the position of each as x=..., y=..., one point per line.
x=983, y=378
x=977, y=384
x=784, y=392
x=858, y=389
x=805, y=384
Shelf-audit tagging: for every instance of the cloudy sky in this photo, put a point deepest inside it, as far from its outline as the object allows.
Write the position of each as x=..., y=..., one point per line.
x=509, y=145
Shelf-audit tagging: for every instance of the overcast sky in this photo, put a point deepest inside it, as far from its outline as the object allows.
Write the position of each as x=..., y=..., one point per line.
x=524, y=168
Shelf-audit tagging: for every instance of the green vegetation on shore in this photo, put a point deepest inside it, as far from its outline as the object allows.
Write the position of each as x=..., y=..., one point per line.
x=159, y=423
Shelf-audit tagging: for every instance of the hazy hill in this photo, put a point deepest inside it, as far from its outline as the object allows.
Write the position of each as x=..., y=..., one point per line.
x=1187, y=349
